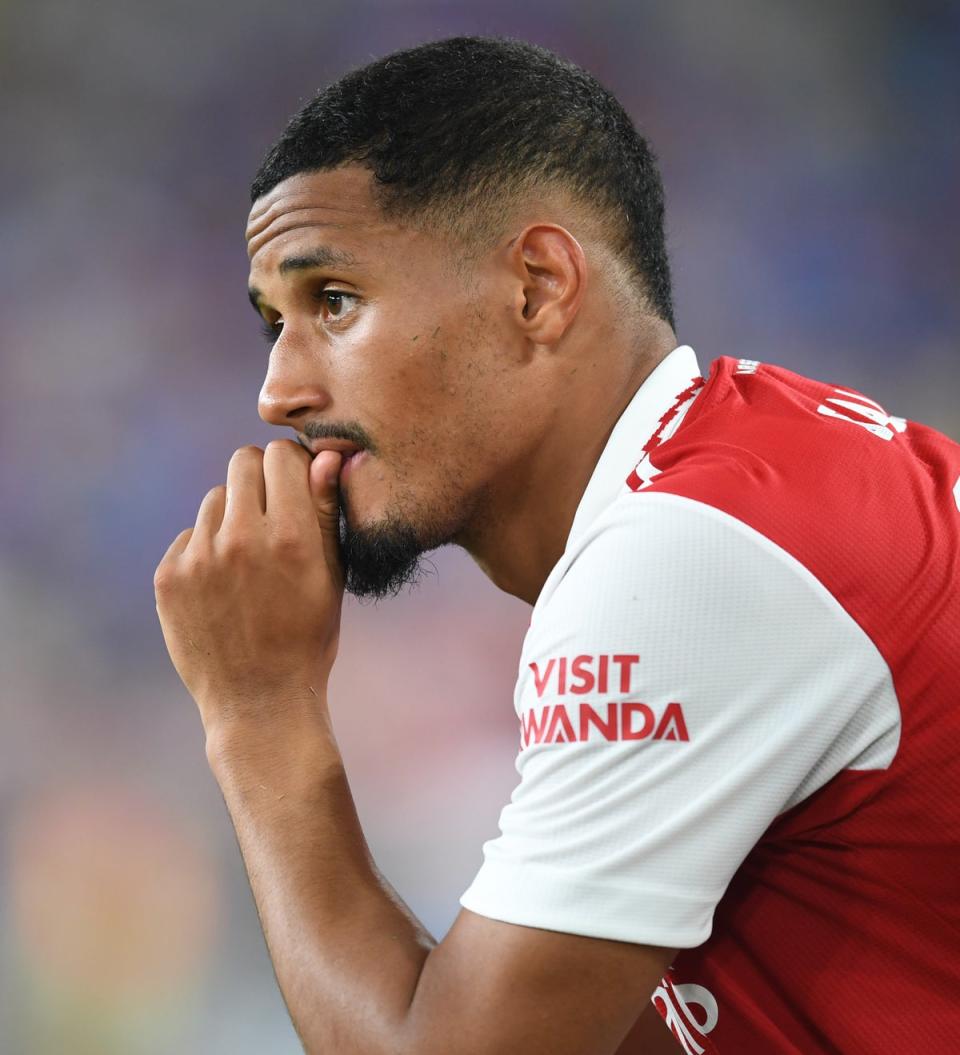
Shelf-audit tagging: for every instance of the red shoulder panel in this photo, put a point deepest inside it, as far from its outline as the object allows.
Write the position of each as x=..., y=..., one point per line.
x=841, y=930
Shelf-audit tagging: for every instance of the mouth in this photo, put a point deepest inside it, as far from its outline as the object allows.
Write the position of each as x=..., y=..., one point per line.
x=344, y=447
x=351, y=454
x=350, y=461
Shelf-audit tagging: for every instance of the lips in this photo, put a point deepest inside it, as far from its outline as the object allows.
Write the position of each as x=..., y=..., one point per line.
x=349, y=451
x=344, y=447
x=350, y=461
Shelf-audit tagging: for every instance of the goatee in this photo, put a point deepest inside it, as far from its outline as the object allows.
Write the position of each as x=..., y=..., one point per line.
x=379, y=561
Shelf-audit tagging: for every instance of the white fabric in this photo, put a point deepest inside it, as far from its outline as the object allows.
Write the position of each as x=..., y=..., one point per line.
x=637, y=839
x=671, y=376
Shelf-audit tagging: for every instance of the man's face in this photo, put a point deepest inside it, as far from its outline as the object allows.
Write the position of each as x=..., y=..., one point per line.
x=381, y=343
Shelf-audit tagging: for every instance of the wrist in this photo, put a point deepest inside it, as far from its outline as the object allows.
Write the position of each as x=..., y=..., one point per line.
x=273, y=744
x=276, y=773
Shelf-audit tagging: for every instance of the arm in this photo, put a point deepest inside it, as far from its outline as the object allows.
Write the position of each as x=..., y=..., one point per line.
x=250, y=616
x=359, y=974
x=739, y=679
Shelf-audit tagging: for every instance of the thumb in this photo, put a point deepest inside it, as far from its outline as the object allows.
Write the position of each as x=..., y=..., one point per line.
x=324, y=478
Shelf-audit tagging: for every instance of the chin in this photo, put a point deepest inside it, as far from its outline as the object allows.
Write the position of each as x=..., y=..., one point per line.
x=379, y=560
x=359, y=516
x=382, y=553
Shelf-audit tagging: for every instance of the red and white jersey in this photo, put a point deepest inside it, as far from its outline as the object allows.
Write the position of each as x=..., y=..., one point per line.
x=739, y=705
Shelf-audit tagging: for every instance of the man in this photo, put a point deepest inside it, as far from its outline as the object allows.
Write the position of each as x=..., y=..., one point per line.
x=740, y=752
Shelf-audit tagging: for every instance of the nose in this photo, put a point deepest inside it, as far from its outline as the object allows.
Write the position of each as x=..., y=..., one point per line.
x=291, y=392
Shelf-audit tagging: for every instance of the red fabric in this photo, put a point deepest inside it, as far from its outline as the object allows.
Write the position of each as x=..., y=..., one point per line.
x=840, y=932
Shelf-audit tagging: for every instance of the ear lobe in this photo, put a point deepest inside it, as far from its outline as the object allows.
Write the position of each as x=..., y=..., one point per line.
x=553, y=268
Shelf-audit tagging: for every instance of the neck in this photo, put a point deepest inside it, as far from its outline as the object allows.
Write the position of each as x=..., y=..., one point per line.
x=525, y=523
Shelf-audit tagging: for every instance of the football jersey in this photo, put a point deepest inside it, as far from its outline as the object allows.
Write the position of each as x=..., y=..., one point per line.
x=739, y=717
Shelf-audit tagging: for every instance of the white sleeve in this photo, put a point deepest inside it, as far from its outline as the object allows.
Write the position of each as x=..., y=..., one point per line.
x=645, y=782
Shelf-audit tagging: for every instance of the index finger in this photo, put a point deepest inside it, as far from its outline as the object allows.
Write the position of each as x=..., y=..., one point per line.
x=245, y=495
x=286, y=474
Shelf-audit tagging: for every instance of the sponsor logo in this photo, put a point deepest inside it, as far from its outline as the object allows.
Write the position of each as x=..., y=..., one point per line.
x=629, y=720
x=577, y=722
x=747, y=366
x=676, y=1005
x=583, y=674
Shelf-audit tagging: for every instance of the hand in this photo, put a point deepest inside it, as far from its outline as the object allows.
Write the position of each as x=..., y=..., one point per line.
x=249, y=598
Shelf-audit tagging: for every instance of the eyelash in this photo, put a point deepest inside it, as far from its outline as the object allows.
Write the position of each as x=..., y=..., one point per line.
x=272, y=330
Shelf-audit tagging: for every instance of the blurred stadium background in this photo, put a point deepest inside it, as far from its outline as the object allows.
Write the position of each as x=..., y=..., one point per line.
x=812, y=166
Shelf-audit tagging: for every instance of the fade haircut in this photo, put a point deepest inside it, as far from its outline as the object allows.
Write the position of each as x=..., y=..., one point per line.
x=452, y=128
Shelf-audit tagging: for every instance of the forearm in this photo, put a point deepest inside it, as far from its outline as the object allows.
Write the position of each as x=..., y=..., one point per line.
x=347, y=953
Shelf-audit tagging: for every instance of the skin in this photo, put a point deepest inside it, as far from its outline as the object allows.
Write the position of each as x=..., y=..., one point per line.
x=485, y=393
x=504, y=376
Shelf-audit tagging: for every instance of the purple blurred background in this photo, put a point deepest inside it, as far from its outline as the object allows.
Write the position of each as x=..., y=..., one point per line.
x=812, y=164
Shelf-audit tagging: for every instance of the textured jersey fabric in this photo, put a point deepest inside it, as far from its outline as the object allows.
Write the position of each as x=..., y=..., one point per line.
x=738, y=707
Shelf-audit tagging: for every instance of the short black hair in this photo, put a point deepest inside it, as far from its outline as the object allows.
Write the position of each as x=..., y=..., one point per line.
x=452, y=126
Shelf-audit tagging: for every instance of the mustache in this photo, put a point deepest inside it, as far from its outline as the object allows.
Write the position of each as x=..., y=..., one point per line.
x=350, y=431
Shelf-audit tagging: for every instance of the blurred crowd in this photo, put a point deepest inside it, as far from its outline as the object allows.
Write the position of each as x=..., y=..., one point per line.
x=812, y=171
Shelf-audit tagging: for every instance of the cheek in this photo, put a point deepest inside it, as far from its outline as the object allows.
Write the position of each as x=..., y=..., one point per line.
x=421, y=388
x=415, y=397
x=389, y=362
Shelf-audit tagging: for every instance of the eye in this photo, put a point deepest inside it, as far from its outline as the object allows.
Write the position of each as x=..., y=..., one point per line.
x=337, y=304
x=271, y=331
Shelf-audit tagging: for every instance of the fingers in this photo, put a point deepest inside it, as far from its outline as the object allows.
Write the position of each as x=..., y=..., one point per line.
x=286, y=472
x=161, y=577
x=210, y=513
x=276, y=481
x=245, y=493
x=324, y=479
x=179, y=544
x=324, y=475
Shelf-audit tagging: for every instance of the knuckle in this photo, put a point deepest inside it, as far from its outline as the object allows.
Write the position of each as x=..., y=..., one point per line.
x=189, y=568
x=234, y=548
x=194, y=562
x=163, y=579
x=287, y=543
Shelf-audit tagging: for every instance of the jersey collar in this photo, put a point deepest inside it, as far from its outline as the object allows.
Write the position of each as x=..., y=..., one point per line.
x=634, y=427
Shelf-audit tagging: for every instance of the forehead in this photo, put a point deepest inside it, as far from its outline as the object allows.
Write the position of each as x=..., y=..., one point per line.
x=321, y=207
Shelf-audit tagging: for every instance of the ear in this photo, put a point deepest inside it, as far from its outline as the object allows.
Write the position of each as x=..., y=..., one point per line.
x=552, y=269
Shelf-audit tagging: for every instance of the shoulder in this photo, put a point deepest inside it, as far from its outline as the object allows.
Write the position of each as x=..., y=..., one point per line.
x=659, y=551
x=823, y=472
x=682, y=683
x=690, y=602
x=761, y=431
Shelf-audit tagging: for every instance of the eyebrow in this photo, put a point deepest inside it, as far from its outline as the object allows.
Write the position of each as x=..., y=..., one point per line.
x=322, y=256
